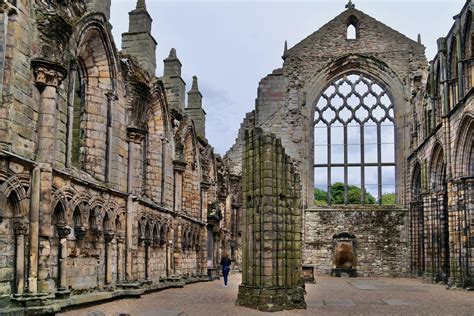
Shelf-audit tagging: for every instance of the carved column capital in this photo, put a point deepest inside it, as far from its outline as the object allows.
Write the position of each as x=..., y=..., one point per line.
x=120, y=236
x=109, y=235
x=20, y=228
x=80, y=232
x=63, y=231
x=111, y=96
x=135, y=135
x=48, y=74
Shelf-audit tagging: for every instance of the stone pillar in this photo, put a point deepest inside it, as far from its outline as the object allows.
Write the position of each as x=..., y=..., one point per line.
x=129, y=240
x=272, y=223
x=111, y=97
x=48, y=77
x=34, y=230
x=21, y=229
x=135, y=140
x=179, y=167
x=108, y=238
x=120, y=257
x=147, y=243
x=63, y=232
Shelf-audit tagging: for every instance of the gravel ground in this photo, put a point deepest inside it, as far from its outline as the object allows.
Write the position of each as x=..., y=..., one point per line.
x=330, y=296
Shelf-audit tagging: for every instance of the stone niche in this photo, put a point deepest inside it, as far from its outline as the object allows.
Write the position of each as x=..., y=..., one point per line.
x=344, y=255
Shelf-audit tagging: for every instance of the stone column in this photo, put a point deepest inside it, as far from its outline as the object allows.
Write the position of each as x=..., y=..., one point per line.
x=129, y=239
x=120, y=256
x=48, y=77
x=271, y=265
x=63, y=232
x=34, y=230
x=147, y=242
x=111, y=97
x=108, y=237
x=21, y=229
x=179, y=167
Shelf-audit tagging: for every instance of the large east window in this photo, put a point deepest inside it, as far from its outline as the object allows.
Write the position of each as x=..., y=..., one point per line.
x=354, y=143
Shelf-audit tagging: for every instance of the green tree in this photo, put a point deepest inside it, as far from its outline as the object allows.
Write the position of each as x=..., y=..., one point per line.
x=337, y=195
x=389, y=199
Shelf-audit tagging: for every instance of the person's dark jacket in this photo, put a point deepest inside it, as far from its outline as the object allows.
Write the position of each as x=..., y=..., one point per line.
x=225, y=263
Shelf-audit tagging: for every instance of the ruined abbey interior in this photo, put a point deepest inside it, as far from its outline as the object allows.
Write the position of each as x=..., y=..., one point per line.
x=110, y=188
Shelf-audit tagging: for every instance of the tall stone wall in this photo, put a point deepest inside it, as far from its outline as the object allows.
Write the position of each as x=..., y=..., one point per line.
x=92, y=199
x=271, y=227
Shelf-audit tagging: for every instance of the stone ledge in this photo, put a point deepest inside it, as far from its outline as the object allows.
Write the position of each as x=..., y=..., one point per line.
x=51, y=306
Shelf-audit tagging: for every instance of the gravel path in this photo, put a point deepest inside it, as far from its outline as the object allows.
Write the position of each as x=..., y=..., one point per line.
x=330, y=296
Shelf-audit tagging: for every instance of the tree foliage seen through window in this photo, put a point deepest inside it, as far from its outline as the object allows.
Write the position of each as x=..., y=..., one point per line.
x=337, y=195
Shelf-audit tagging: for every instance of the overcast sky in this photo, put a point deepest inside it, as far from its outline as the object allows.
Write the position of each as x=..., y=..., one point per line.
x=231, y=45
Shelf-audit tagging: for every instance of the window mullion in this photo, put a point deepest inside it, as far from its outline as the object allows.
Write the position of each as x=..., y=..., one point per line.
x=328, y=195
x=362, y=168
x=379, y=162
x=345, y=167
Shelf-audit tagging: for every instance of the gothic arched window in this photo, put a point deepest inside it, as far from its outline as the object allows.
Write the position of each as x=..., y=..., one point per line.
x=77, y=132
x=354, y=143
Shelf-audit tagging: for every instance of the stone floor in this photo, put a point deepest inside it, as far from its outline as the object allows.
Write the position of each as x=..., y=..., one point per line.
x=330, y=296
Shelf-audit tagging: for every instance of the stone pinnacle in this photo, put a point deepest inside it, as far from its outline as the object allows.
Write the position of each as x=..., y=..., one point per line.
x=194, y=87
x=172, y=53
x=141, y=4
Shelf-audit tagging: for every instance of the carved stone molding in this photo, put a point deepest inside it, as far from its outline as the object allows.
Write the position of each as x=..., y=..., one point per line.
x=63, y=231
x=20, y=228
x=120, y=236
x=109, y=235
x=135, y=135
x=179, y=166
x=80, y=232
x=48, y=74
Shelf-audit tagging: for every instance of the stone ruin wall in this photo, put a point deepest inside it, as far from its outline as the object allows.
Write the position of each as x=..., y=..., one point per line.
x=381, y=240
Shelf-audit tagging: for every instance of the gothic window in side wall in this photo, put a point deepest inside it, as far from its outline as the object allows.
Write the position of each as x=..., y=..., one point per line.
x=453, y=75
x=354, y=143
x=77, y=155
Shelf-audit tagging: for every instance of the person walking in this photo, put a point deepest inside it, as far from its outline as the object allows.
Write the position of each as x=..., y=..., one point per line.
x=225, y=264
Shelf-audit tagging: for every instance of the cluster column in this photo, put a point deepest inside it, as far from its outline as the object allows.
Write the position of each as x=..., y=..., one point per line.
x=271, y=228
x=48, y=78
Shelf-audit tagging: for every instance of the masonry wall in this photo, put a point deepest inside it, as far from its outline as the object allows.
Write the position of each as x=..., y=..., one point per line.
x=112, y=219
x=381, y=240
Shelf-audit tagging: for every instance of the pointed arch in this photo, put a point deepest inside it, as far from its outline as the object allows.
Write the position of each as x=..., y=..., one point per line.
x=438, y=168
x=95, y=54
x=416, y=180
x=464, y=163
x=352, y=28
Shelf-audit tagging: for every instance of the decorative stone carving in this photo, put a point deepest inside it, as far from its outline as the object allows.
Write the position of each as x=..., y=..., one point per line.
x=120, y=237
x=48, y=74
x=63, y=231
x=20, y=228
x=80, y=232
x=109, y=235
